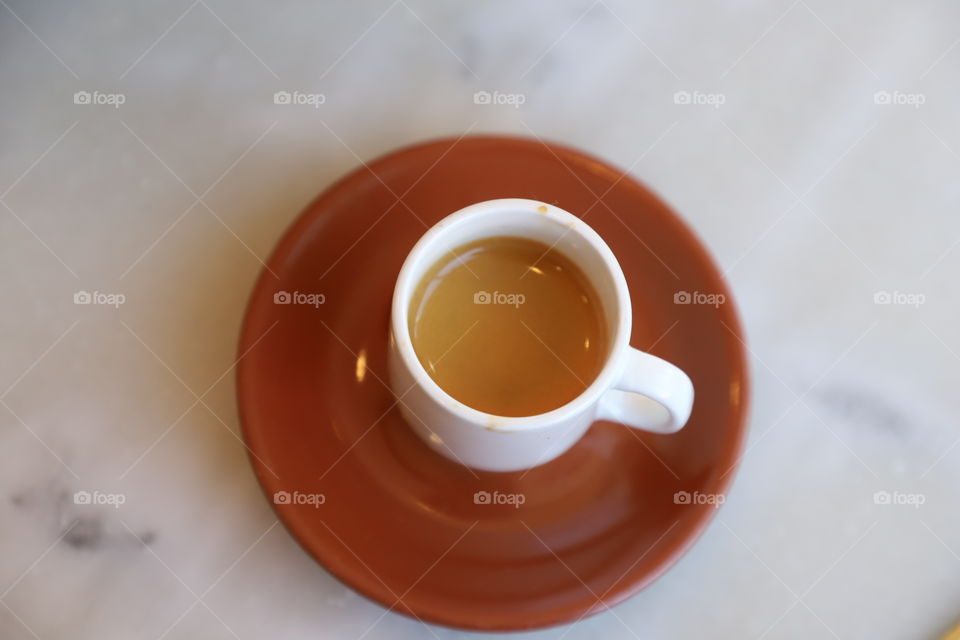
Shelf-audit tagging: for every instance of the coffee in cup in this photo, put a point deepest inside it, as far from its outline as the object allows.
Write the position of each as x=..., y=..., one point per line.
x=509, y=326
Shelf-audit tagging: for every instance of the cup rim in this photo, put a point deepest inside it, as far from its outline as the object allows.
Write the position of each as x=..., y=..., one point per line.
x=408, y=278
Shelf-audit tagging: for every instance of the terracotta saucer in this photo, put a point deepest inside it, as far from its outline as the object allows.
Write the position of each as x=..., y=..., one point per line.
x=406, y=527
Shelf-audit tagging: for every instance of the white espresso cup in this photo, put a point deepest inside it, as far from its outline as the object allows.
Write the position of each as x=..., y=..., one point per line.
x=633, y=387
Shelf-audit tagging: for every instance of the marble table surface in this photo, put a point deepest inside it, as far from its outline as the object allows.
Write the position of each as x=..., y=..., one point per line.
x=145, y=161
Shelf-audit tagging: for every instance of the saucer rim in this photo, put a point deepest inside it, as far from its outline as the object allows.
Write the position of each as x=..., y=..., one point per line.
x=335, y=562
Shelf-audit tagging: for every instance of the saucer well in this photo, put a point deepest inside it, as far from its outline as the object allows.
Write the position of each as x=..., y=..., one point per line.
x=420, y=534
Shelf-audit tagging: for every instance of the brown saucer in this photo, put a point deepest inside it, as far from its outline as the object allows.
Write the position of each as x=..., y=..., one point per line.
x=399, y=523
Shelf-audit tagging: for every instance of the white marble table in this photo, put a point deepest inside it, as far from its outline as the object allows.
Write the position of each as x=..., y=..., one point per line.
x=814, y=192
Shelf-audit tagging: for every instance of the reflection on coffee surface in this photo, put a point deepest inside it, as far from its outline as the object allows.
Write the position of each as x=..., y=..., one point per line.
x=508, y=326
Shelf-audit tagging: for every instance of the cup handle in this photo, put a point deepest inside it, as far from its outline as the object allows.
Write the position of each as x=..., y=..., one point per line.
x=651, y=394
